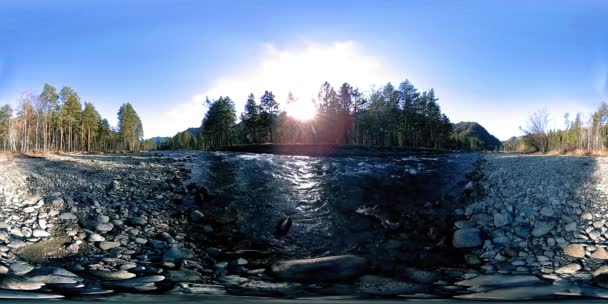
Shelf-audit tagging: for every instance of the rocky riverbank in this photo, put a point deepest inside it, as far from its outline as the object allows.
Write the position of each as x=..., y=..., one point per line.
x=90, y=226
x=541, y=218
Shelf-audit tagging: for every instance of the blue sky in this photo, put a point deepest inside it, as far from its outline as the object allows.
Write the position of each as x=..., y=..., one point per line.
x=494, y=62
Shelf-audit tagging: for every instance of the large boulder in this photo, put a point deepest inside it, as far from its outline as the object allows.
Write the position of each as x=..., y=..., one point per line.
x=326, y=269
x=467, y=238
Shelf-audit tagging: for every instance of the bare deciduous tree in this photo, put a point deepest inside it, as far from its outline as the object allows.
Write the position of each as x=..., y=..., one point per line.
x=536, y=130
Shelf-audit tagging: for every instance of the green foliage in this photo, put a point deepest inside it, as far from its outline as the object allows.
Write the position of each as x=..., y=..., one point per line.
x=129, y=127
x=219, y=125
x=472, y=136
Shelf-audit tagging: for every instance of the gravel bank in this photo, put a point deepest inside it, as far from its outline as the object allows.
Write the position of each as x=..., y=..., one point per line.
x=92, y=225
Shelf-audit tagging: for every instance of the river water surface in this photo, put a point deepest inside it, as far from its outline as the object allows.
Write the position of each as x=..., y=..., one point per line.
x=395, y=208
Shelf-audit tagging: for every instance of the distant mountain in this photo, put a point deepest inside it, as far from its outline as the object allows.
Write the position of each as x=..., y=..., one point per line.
x=159, y=139
x=196, y=132
x=473, y=136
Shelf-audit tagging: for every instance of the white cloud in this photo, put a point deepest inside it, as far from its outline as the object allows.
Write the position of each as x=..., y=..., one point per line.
x=302, y=71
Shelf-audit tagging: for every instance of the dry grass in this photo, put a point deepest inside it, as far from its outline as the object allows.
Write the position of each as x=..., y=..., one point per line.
x=45, y=251
x=579, y=152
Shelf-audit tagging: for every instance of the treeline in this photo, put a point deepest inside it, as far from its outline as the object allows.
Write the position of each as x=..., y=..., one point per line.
x=588, y=135
x=387, y=116
x=58, y=121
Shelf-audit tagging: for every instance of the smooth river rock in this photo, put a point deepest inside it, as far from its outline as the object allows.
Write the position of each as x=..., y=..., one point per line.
x=332, y=268
x=467, y=238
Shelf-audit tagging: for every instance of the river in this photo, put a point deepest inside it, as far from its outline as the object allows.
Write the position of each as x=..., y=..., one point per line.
x=393, y=209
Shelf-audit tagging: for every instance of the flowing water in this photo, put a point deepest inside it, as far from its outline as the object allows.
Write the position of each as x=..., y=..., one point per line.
x=388, y=208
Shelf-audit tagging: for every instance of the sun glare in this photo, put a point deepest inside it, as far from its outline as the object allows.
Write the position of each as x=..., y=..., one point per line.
x=301, y=110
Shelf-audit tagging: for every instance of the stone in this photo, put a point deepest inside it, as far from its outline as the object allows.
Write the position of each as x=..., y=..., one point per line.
x=40, y=233
x=66, y=216
x=500, y=280
x=600, y=270
x=104, y=227
x=111, y=275
x=108, y=245
x=600, y=254
x=103, y=218
x=196, y=216
x=472, y=259
x=176, y=254
x=502, y=219
x=420, y=276
x=568, y=269
x=269, y=289
x=24, y=295
x=20, y=268
x=18, y=283
x=146, y=283
x=53, y=275
x=520, y=293
x=575, y=250
x=183, y=275
x=543, y=227
x=547, y=211
x=382, y=286
x=94, y=237
x=570, y=227
x=522, y=230
x=325, y=269
x=137, y=221
x=467, y=238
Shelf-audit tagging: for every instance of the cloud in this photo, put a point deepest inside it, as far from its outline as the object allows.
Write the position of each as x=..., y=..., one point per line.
x=302, y=71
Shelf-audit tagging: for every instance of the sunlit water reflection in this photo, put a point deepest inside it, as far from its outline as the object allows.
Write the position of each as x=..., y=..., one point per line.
x=338, y=204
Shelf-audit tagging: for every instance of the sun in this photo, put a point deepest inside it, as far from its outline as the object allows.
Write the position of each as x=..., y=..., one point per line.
x=302, y=110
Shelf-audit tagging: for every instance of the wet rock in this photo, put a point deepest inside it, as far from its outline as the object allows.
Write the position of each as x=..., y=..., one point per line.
x=24, y=295
x=183, y=275
x=177, y=254
x=332, y=268
x=137, y=284
x=268, y=289
x=111, y=275
x=420, y=276
x=570, y=227
x=18, y=283
x=137, y=221
x=53, y=275
x=502, y=219
x=196, y=216
x=381, y=286
x=283, y=227
x=543, y=227
x=521, y=293
x=233, y=280
x=20, y=268
x=500, y=280
x=547, y=211
x=467, y=238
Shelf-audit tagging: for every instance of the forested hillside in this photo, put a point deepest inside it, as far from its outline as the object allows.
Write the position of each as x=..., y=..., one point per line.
x=472, y=136
x=55, y=120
